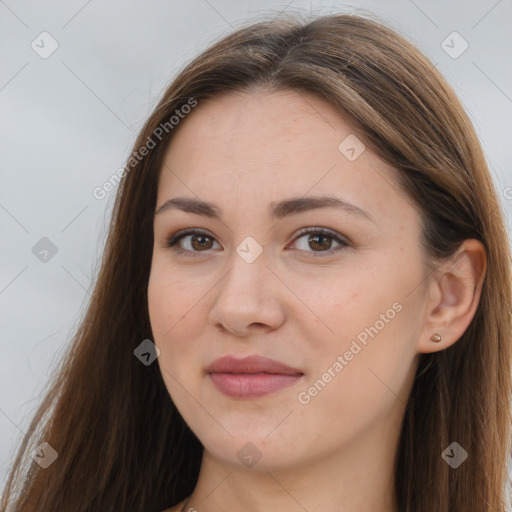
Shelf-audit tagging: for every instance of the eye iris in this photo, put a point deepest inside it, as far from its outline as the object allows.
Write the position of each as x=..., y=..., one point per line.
x=202, y=245
x=317, y=241
x=325, y=238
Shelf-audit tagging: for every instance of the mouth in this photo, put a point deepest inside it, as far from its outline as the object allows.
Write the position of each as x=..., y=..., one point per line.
x=251, y=376
x=252, y=385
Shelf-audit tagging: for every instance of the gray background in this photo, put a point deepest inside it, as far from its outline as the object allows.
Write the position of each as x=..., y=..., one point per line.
x=69, y=121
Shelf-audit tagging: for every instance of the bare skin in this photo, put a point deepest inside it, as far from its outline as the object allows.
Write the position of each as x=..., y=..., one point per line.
x=176, y=508
x=326, y=450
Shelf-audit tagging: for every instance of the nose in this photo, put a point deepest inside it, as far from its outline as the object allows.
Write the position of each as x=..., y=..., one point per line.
x=249, y=298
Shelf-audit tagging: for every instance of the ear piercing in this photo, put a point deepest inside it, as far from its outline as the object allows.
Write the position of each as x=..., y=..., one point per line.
x=436, y=337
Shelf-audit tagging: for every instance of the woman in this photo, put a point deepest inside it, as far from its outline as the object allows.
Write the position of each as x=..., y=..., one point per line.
x=304, y=301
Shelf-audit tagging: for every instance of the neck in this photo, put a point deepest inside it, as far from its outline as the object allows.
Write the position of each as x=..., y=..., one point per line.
x=356, y=478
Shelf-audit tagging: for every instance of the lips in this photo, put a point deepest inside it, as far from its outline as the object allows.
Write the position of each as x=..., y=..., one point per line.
x=250, y=364
x=252, y=376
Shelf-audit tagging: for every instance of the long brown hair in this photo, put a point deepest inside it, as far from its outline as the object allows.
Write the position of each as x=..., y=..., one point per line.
x=121, y=443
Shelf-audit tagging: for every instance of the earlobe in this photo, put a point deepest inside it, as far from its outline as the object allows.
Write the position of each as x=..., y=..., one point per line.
x=456, y=288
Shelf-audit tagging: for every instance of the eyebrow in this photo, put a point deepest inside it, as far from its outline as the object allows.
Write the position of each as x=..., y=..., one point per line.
x=278, y=209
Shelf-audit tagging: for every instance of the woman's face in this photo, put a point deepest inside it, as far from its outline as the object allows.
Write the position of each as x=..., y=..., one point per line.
x=344, y=308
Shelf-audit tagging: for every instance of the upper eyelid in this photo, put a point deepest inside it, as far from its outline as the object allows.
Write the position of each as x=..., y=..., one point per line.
x=179, y=235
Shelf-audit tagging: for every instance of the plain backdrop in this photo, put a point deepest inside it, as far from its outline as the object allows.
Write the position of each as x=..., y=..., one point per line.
x=78, y=78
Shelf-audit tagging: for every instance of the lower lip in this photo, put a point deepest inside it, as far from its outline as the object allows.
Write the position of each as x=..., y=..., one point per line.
x=252, y=385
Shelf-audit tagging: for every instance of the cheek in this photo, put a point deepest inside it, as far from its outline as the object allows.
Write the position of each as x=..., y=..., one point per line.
x=158, y=307
x=343, y=304
x=366, y=384
x=168, y=301
x=167, y=313
x=366, y=318
x=174, y=306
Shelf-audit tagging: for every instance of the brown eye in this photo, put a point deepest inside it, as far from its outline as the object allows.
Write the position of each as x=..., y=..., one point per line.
x=200, y=242
x=320, y=241
x=190, y=242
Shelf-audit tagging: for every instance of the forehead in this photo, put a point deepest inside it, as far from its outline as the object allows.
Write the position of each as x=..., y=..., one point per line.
x=256, y=125
x=256, y=147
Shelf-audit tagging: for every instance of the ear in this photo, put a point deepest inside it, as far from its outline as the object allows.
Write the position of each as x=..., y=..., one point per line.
x=455, y=289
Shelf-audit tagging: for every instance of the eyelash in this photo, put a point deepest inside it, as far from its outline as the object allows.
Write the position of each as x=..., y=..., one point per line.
x=176, y=237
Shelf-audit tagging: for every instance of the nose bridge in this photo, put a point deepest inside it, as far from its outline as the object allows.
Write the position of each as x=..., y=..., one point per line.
x=248, y=270
x=247, y=294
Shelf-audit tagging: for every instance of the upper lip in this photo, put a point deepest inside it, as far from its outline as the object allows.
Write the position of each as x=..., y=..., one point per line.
x=250, y=364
